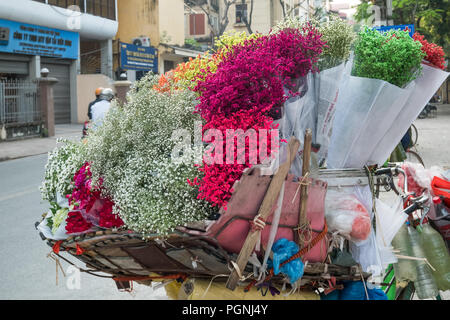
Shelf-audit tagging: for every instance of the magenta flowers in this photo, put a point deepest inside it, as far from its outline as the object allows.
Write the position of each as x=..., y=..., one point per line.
x=247, y=92
x=88, y=198
x=254, y=73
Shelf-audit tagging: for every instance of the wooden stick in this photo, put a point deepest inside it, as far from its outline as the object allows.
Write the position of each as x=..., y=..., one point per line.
x=304, y=187
x=264, y=211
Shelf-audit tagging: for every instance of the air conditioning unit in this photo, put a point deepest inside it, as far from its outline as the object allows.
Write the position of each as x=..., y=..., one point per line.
x=142, y=41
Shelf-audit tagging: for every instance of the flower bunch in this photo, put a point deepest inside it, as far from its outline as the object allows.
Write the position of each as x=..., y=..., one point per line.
x=63, y=162
x=433, y=53
x=339, y=36
x=289, y=23
x=85, y=197
x=254, y=73
x=391, y=56
x=165, y=82
x=230, y=39
x=220, y=175
x=75, y=223
x=130, y=155
x=187, y=74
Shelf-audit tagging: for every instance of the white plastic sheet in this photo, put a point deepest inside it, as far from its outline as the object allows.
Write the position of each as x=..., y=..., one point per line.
x=365, y=110
x=425, y=87
x=389, y=220
x=327, y=87
x=60, y=234
x=314, y=108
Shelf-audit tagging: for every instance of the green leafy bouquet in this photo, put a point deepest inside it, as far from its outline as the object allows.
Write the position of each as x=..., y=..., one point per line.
x=392, y=56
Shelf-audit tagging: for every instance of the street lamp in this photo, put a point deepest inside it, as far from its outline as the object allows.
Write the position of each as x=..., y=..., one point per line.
x=44, y=72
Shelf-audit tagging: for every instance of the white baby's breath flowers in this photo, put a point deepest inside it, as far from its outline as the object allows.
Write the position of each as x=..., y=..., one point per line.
x=337, y=33
x=131, y=153
x=62, y=164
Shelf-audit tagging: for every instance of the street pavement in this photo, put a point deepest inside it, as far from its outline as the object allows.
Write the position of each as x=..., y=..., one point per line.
x=26, y=271
x=433, y=144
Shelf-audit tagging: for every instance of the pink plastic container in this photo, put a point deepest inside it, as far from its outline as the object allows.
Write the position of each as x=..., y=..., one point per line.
x=233, y=226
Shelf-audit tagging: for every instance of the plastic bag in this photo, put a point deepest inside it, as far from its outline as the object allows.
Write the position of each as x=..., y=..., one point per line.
x=355, y=290
x=389, y=220
x=366, y=108
x=419, y=181
x=346, y=215
x=366, y=252
x=284, y=249
x=426, y=86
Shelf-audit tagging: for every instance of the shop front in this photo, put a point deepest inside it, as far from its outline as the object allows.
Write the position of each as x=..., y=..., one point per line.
x=24, y=50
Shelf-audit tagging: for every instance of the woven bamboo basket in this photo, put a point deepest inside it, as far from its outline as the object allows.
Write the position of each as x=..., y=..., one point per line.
x=189, y=252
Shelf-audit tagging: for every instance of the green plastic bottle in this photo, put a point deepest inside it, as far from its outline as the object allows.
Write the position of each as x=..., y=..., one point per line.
x=437, y=254
x=404, y=269
x=426, y=287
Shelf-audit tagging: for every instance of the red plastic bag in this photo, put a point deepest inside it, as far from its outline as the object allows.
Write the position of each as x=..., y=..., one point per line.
x=346, y=215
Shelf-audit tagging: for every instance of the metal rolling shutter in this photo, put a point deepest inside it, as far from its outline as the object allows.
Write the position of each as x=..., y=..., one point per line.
x=15, y=67
x=61, y=90
x=14, y=64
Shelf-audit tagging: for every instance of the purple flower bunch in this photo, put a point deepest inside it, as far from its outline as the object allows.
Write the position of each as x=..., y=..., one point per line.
x=255, y=73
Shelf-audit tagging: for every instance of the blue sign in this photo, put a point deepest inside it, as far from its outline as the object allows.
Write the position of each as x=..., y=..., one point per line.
x=138, y=58
x=398, y=27
x=23, y=38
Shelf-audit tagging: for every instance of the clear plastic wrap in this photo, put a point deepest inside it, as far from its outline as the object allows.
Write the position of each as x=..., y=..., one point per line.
x=365, y=110
x=313, y=108
x=389, y=220
x=426, y=86
x=327, y=85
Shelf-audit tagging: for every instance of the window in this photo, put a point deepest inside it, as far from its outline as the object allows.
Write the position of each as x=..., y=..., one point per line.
x=241, y=13
x=66, y=3
x=168, y=65
x=101, y=8
x=196, y=24
x=215, y=23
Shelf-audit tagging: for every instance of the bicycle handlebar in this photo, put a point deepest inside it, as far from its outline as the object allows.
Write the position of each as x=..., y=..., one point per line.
x=395, y=171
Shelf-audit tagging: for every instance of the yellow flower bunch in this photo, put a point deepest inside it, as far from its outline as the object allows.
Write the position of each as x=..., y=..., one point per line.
x=187, y=74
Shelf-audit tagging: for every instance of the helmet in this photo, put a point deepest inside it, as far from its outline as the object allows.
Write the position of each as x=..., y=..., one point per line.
x=107, y=94
x=98, y=91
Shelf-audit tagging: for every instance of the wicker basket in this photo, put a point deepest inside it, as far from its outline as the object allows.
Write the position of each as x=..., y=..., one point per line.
x=127, y=256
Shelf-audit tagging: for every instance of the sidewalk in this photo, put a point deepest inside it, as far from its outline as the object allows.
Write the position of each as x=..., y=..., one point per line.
x=10, y=150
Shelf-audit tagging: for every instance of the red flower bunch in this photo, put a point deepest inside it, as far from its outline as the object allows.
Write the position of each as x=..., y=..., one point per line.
x=434, y=53
x=246, y=92
x=218, y=178
x=88, y=198
x=254, y=73
x=75, y=223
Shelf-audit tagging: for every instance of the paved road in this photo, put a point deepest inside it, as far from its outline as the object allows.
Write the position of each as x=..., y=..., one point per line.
x=25, y=270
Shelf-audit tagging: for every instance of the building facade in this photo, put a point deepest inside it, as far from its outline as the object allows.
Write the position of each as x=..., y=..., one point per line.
x=156, y=24
x=70, y=38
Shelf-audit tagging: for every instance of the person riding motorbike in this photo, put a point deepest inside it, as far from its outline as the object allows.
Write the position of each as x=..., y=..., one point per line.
x=86, y=125
x=98, y=92
x=101, y=108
